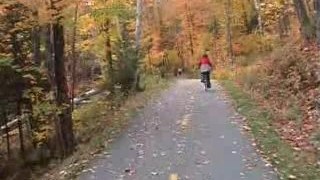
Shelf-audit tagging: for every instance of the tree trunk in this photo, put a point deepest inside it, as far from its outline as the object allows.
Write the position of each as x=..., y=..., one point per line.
x=245, y=18
x=62, y=99
x=281, y=28
x=156, y=29
x=309, y=7
x=138, y=31
x=73, y=52
x=31, y=127
x=35, y=34
x=190, y=30
x=49, y=55
x=4, y=114
x=286, y=19
x=20, y=129
x=257, y=6
x=108, y=54
x=306, y=26
x=229, y=31
x=138, y=34
x=18, y=59
x=317, y=7
x=284, y=23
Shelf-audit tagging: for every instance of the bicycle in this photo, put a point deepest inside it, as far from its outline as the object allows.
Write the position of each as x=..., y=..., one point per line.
x=204, y=80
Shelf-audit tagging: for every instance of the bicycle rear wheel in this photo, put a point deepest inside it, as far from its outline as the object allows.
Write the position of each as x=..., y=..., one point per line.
x=205, y=84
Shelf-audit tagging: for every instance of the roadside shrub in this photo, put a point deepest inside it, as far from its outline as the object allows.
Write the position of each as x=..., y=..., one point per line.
x=223, y=74
x=249, y=77
x=254, y=43
x=286, y=82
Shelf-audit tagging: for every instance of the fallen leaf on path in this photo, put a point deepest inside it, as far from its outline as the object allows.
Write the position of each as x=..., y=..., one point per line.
x=91, y=170
x=154, y=173
x=154, y=155
x=203, y=152
x=202, y=162
x=140, y=152
x=268, y=165
x=205, y=162
x=62, y=172
x=247, y=128
x=173, y=177
x=292, y=177
x=181, y=145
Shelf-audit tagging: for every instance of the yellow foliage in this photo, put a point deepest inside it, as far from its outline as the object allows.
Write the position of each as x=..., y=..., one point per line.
x=173, y=58
x=86, y=24
x=254, y=43
x=223, y=74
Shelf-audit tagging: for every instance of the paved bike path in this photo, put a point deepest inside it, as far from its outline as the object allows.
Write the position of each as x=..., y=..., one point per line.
x=185, y=134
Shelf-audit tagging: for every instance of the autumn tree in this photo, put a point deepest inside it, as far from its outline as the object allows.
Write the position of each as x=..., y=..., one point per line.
x=64, y=125
x=15, y=29
x=229, y=30
x=317, y=7
x=306, y=25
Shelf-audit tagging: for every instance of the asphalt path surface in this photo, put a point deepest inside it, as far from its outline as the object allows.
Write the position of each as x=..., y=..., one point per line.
x=185, y=134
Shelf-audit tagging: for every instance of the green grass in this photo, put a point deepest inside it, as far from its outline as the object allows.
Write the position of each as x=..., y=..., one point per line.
x=282, y=156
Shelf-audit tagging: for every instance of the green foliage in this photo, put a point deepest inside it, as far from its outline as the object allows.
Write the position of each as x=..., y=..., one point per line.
x=25, y=84
x=123, y=64
x=215, y=27
x=44, y=110
x=111, y=10
x=127, y=63
x=11, y=83
x=22, y=82
x=88, y=117
x=43, y=116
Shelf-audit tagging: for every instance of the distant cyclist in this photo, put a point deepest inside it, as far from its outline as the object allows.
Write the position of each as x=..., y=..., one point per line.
x=205, y=66
x=180, y=71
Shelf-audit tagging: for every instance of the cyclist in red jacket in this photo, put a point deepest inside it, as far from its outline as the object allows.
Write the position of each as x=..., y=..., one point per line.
x=205, y=66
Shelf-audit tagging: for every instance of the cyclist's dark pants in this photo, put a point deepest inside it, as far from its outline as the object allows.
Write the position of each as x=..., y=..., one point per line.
x=206, y=76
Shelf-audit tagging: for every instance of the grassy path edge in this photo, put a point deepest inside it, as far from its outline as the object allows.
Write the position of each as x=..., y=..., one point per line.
x=102, y=137
x=289, y=163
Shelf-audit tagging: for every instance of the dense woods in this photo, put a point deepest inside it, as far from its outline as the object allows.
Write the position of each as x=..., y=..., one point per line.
x=53, y=50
